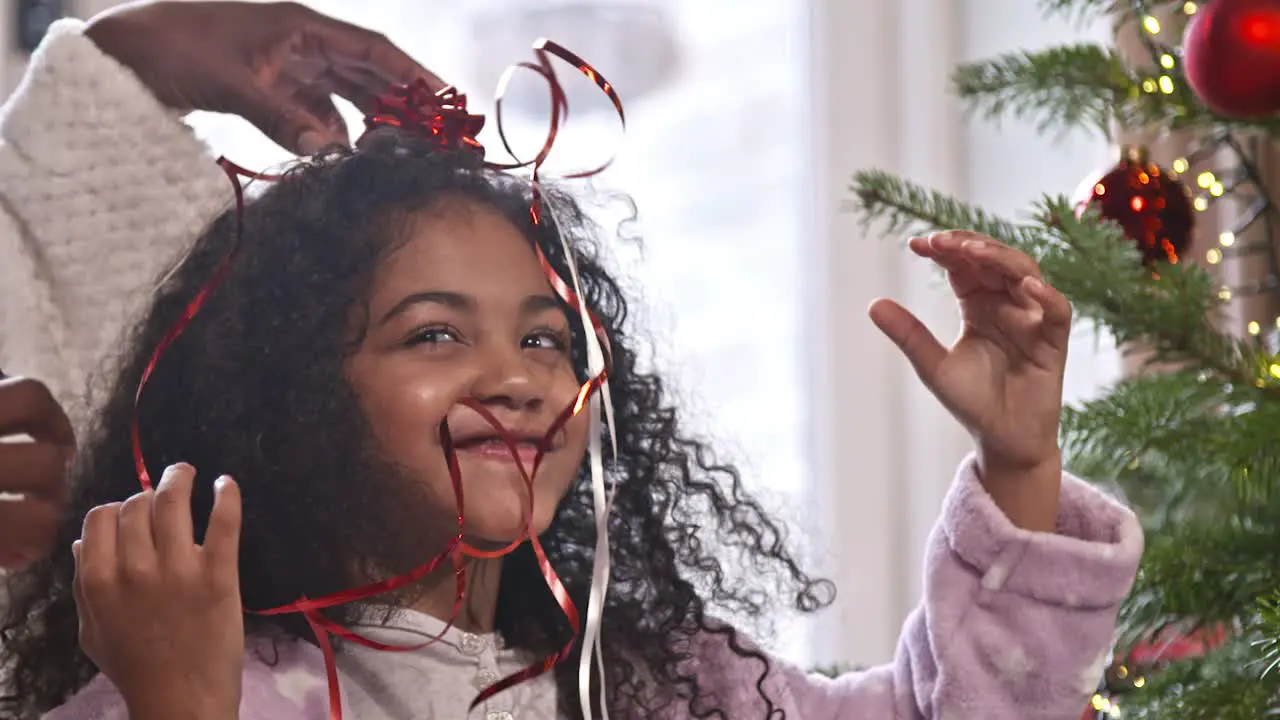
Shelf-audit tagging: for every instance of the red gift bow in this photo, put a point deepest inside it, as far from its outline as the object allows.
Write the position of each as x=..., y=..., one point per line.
x=443, y=118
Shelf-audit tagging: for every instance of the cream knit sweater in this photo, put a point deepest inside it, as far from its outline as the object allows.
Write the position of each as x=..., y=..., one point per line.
x=101, y=189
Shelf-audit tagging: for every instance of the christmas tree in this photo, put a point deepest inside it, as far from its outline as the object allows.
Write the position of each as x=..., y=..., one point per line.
x=1192, y=437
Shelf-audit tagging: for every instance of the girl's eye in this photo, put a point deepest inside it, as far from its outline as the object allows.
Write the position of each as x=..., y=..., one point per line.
x=434, y=336
x=546, y=340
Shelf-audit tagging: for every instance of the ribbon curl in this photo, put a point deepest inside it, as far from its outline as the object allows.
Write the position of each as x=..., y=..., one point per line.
x=443, y=119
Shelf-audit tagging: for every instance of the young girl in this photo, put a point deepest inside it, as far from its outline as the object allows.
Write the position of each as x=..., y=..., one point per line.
x=382, y=292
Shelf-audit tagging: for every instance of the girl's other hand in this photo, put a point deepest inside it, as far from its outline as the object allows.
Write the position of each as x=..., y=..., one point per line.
x=1002, y=378
x=160, y=615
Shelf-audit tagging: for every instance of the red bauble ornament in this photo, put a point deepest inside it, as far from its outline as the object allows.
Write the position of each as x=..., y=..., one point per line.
x=1231, y=56
x=1149, y=202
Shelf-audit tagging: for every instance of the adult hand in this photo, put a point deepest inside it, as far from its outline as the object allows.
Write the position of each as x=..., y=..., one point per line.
x=275, y=64
x=33, y=474
x=1002, y=378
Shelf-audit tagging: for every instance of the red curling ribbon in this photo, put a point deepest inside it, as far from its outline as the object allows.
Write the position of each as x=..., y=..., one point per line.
x=234, y=172
x=443, y=119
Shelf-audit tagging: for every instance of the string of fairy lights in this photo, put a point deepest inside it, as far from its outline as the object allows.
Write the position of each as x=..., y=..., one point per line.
x=1210, y=185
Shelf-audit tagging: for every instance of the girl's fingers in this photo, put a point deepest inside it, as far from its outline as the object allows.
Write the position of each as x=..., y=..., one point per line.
x=136, y=543
x=1057, y=309
x=920, y=246
x=99, y=562
x=83, y=612
x=76, y=589
x=916, y=342
x=1038, y=324
x=222, y=541
x=171, y=515
x=1009, y=262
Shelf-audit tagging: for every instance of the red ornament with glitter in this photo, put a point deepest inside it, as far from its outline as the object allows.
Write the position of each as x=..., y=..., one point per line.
x=1231, y=55
x=1149, y=202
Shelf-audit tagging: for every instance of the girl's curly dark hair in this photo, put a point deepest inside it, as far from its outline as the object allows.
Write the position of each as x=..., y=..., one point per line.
x=255, y=389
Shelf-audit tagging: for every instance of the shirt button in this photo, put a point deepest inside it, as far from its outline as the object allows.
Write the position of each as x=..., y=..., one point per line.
x=471, y=644
x=501, y=715
x=486, y=678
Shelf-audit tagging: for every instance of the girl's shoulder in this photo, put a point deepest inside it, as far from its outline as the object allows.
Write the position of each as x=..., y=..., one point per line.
x=282, y=678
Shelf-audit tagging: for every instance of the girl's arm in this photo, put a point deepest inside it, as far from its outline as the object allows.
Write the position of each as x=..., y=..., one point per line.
x=101, y=187
x=1014, y=624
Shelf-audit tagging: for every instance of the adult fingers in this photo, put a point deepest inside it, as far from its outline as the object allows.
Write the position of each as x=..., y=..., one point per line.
x=28, y=407
x=27, y=528
x=34, y=468
x=287, y=119
x=344, y=43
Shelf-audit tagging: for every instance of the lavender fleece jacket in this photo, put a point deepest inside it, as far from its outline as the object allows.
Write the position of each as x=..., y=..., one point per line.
x=102, y=188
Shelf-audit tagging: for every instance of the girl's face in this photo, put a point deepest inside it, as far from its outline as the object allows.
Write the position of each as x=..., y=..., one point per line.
x=462, y=310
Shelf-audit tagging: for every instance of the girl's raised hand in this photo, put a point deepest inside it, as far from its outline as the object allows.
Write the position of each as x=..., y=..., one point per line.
x=160, y=615
x=1002, y=378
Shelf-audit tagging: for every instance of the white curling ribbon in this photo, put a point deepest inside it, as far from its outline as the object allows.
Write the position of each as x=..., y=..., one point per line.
x=602, y=500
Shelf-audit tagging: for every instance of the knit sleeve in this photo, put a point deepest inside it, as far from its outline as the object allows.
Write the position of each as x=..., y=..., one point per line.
x=1014, y=624
x=101, y=188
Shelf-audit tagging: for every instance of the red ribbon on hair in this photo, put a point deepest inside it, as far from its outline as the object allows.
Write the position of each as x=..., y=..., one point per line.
x=441, y=117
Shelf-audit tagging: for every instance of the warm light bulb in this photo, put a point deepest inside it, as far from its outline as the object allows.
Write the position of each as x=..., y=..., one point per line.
x=1151, y=24
x=1166, y=84
x=1190, y=8
x=1213, y=256
x=1274, y=369
x=1205, y=179
x=1253, y=327
x=1181, y=165
x=1224, y=294
x=1149, y=85
x=1216, y=189
x=1200, y=204
x=1166, y=61
x=1227, y=239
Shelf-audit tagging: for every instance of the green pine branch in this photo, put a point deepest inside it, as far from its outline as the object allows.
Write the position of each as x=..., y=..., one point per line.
x=1082, y=11
x=1092, y=263
x=1227, y=685
x=1074, y=86
x=1087, y=86
x=1203, y=574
